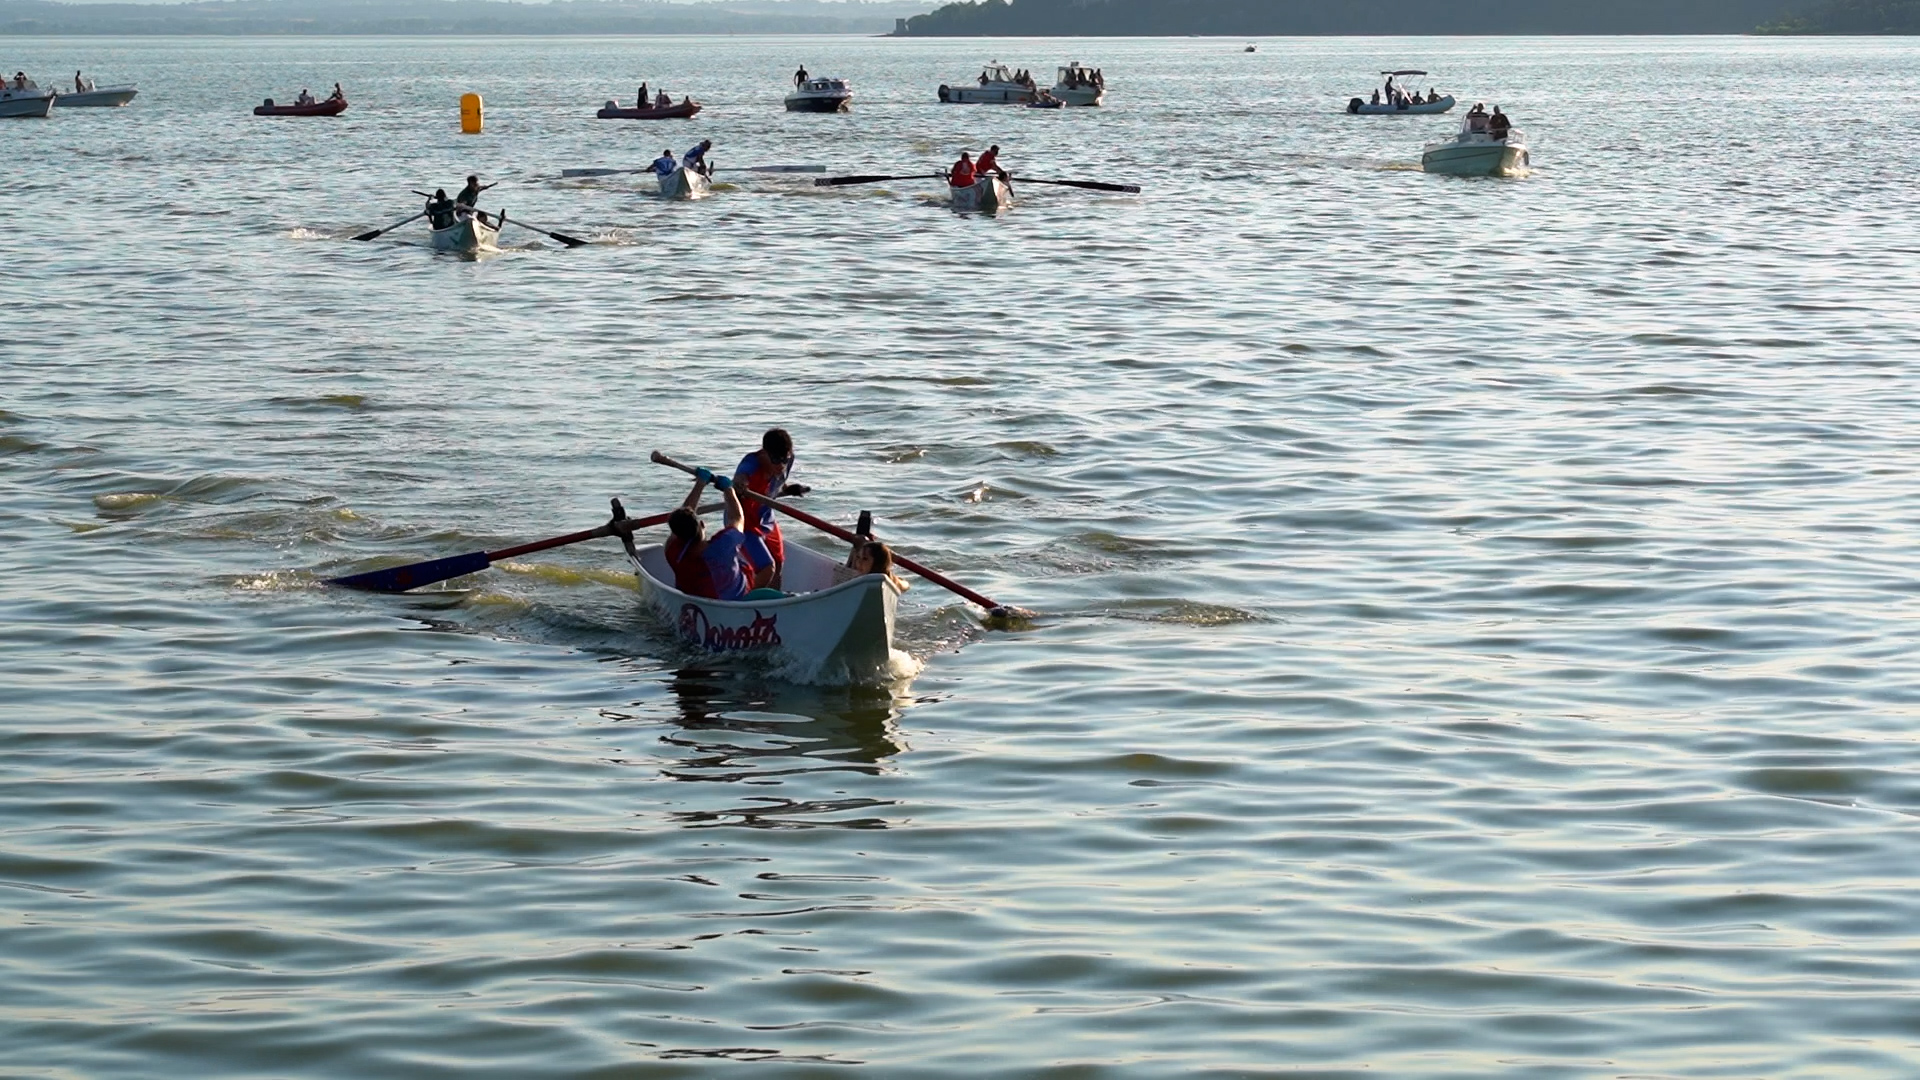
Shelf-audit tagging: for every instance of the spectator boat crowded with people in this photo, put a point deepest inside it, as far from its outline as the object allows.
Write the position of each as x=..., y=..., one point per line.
x=1077, y=84
x=997, y=85
x=1392, y=100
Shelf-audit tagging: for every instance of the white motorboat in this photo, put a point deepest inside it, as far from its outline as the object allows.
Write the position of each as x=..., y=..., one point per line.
x=103, y=97
x=996, y=86
x=1391, y=100
x=1477, y=152
x=1078, y=85
x=831, y=622
x=987, y=195
x=821, y=95
x=683, y=186
x=468, y=234
x=27, y=100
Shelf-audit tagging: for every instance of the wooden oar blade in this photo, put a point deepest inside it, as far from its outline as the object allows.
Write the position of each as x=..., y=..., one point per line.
x=401, y=578
x=371, y=235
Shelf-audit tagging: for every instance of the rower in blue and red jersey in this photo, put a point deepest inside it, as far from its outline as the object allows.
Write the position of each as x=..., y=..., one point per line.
x=765, y=472
x=722, y=566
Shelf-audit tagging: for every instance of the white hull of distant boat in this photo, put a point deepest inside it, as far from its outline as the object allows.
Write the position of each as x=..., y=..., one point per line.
x=987, y=195
x=683, y=186
x=1478, y=154
x=105, y=97
x=995, y=87
x=1357, y=107
x=822, y=627
x=468, y=235
x=30, y=102
x=821, y=96
x=1075, y=86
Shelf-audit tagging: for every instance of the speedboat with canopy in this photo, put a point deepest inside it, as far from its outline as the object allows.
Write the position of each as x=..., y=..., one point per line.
x=1391, y=100
x=996, y=86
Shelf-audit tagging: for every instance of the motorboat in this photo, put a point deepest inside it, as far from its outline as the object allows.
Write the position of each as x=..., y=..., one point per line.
x=97, y=97
x=1475, y=151
x=26, y=100
x=832, y=621
x=986, y=195
x=821, y=95
x=333, y=106
x=1391, y=100
x=996, y=86
x=684, y=186
x=1251, y=47
x=468, y=234
x=685, y=110
x=1078, y=85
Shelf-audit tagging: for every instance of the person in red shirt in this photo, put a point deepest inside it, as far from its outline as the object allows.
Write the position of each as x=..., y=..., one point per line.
x=765, y=472
x=717, y=566
x=989, y=163
x=961, y=175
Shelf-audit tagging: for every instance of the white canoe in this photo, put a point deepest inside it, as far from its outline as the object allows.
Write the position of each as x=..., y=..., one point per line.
x=32, y=101
x=1478, y=154
x=103, y=97
x=683, y=185
x=468, y=234
x=823, y=628
x=1359, y=107
x=987, y=195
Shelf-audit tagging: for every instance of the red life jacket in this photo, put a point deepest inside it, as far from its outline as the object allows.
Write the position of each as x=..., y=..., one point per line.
x=690, y=572
x=961, y=175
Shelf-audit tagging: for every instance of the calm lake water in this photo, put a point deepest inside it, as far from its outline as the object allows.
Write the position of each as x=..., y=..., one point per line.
x=1478, y=615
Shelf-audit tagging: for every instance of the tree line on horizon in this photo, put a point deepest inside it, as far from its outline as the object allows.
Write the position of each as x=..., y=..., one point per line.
x=1295, y=18
x=454, y=17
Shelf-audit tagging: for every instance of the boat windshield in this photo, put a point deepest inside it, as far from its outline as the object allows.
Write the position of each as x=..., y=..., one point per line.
x=998, y=72
x=1074, y=73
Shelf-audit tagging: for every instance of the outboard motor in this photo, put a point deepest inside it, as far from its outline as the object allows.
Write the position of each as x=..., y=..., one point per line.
x=1354, y=105
x=611, y=104
x=268, y=103
x=943, y=91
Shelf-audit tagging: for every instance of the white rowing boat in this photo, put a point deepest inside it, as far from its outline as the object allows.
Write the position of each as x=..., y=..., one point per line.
x=831, y=624
x=683, y=185
x=987, y=195
x=468, y=234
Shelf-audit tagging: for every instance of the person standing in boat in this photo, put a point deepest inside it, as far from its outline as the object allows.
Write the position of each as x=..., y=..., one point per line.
x=696, y=159
x=989, y=163
x=640, y=99
x=765, y=472
x=1477, y=119
x=663, y=165
x=663, y=100
x=714, y=567
x=800, y=77
x=81, y=84
x=962, y=174
x=469, y=196
x=1499, y=124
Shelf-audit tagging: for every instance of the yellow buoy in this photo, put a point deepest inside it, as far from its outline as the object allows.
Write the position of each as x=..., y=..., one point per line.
x=471, y=116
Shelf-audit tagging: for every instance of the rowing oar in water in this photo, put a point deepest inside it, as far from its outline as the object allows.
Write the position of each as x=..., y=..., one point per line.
x=1090, y=185
x=390, y=228
x=998, y=612
x=412, y=576
x=840, y=181
x=571, y=173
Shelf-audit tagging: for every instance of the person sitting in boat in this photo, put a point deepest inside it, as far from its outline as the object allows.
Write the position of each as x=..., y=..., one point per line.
x=1477, y=119
x=1499, y=124
x=664, y=164
x=962, y=175
x=765, y=472
x=696, y=159
x=1376, y=97
x=305, y=98
x=989, y=163
x=715, y=567
x=869, y=556
x=662, y=100
x=800, y=77
x=440, y=209
x=338, y=94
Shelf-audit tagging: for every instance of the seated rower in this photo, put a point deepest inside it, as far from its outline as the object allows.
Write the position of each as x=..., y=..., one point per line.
x=696, y=159
x=962, y=175
x=989, y=163
x=440, y=209
x=664, y=164
x=716, y=566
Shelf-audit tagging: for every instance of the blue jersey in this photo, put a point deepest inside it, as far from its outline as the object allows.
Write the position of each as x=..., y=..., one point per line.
x=756, y=475
x=664, y=164
x=693, y=157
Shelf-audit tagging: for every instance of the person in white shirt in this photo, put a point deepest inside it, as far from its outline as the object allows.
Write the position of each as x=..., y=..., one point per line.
x=305, y=98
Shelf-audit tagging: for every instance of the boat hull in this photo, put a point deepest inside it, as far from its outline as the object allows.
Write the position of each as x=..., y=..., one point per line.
x=991, y=94
x=683, y=111
x=25, y=103
x=1357, y=107
x=683, y=186
x=330, y=107
x=988, y=195
x=468, y=236
x=825, y=628
x=818, y=103
x=1479, y=158
x=1080, y=95
x=105, y=97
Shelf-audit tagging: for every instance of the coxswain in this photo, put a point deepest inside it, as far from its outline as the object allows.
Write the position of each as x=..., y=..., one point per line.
x=664, y=164
x=715, y=567
x=696, y=159
x=800, y=77
x=989, y=163
x=440, y=209
x=962, y=175
x=765, y=472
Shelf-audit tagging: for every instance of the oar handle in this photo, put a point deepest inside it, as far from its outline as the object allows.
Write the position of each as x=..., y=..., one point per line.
x=611, y=528
x=834, y=530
